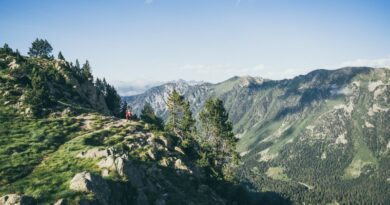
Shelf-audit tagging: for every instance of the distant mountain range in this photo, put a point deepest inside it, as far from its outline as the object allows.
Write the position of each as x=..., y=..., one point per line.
x=130, y=88
x=323, y=136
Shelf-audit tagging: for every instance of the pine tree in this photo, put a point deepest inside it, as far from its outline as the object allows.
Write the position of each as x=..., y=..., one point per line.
x=39, y=97
x=40, y=48
x=86, y=71
x=217, y=138
x=99, y=86
x=149, y=116
x=187, y=122
x=180, y=121
x=113, y=100
x=77, y=64
x=60, y=56
x=6, y=49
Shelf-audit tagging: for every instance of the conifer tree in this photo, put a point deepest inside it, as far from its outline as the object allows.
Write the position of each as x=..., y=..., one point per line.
x=180, y=121
x=39, y=96
x=40, y=48
x=217, y=138
x=6, y=49
x=77, y=64
x=60, y=56
x=149, y=116
x=86, y=71
x=112, y=98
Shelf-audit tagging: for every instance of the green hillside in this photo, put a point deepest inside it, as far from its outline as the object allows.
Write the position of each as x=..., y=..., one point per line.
x=60, y=143
x=310, y=137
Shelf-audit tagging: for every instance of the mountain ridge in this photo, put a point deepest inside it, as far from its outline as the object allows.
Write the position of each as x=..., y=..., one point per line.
x=343, y=111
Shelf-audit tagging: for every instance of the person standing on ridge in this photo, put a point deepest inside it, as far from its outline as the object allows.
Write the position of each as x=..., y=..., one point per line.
x=128, y=114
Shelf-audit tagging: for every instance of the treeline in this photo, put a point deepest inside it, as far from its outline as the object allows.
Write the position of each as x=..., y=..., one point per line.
x=43, y=79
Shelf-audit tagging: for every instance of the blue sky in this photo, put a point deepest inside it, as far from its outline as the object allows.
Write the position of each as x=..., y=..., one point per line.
x=210, y=40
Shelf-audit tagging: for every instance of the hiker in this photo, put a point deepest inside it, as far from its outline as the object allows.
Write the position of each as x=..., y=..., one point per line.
x=128, y=115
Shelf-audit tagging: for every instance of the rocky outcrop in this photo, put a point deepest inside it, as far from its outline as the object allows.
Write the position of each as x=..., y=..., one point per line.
x=96, y=153
x=15, y=199
x=90, y=183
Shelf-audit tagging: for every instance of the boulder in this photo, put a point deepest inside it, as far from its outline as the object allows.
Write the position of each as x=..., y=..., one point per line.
x=108, y=162
x=151, y=154
x=181, y=166
x=60, y=202
x=89, y=183
x=15, y=199
x=120, y=165
x=167, y=142
x=96, y=153
x=178, y=149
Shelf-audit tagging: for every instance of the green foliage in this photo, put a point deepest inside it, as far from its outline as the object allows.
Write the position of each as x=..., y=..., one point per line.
x=40, y=48
x=39, y=97
x=111, y=97
x=86, y=71
x=148, y=115
x=6, y=49
x=217, y=139
x=60, y=56
x=180, y=121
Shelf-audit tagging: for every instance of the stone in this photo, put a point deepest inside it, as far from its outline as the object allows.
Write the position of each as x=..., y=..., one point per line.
x=108, y=162
x=120, y=166
x=151, y=154
x=60, y=202
x=15, y=199
x=95, y=153
x=89, y=183
x=166, y=141
x=178, y=149
x=105, y=173
x=181, y=166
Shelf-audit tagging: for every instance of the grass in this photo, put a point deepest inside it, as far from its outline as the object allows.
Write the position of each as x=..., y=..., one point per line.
x=24, y=143
x=277, y=173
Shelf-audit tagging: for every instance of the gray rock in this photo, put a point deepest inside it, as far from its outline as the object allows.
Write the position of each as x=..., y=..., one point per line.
x=89, y=183
x=120, y=165
x=60, y=202
x=181, y=166
x=108, y=162
x=96, y=153
x=15, y=199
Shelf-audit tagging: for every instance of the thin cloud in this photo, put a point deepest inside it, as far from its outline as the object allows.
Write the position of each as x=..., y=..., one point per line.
x=376, y=63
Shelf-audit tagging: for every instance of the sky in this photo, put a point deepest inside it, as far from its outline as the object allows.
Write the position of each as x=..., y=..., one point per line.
x=203, y=40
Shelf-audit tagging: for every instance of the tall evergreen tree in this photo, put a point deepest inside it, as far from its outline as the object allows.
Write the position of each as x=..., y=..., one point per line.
x=149, y=116
x=60, y=56
x=40, y=48
x=6, y=49
x=113, y=100
x=39, y=97
x=86, y=71
x=180, y=121
x=77, y=64
x=217, y=138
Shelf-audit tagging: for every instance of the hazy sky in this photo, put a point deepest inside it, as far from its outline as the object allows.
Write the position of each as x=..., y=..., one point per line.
x=210, y=40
